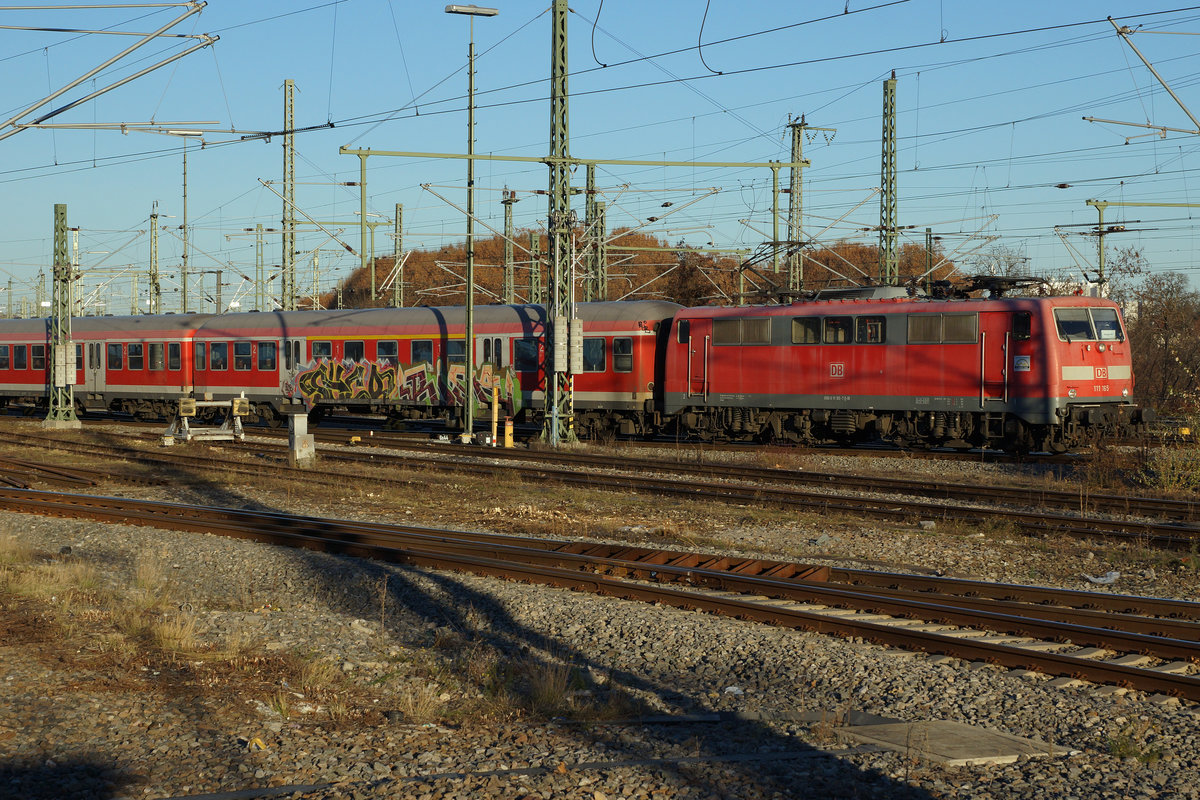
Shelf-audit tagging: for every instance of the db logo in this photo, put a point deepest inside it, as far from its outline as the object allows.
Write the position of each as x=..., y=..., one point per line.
x=837, y=370
x=1101, y=372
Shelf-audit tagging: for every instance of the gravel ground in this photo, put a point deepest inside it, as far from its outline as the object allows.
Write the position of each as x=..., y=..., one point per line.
x=446, y=685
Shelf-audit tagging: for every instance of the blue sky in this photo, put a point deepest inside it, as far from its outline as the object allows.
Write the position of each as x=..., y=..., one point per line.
x=990, y=99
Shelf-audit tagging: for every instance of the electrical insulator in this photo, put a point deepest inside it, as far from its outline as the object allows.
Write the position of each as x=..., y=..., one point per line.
x=576, y=346
x=560, y=346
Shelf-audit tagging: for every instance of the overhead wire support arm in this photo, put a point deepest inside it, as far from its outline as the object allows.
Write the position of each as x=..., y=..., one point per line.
x=1123, y=31
x=192, y=8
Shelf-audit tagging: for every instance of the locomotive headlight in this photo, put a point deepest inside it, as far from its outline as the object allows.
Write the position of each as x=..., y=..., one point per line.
x=1125, y=392
x=1101, y=347
x=1071, y=393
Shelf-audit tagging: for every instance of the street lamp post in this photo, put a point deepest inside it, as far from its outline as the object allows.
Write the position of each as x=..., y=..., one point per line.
x=469, y=400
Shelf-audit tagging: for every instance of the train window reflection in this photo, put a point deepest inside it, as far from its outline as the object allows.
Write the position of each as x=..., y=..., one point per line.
x=594, y=358
x=837, y=330
x=622, y=354
x=869, y=330
x=1107, y=324
x=525, y=355
x=1074, y=324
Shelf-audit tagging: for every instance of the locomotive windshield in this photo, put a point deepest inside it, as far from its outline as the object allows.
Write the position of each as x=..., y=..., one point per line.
x=1088, y=324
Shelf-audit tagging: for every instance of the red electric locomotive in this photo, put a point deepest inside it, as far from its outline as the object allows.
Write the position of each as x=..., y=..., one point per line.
x=1020, y=373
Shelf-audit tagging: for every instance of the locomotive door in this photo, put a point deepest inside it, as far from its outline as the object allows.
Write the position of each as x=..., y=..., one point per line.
x=995, y=336
x=698, y=336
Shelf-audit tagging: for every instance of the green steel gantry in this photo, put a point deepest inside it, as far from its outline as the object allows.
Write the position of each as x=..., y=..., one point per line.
x=888, y=225
x=62, y=349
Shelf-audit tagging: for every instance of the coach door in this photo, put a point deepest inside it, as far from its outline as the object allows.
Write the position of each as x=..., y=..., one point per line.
x=93, y=368
x=696, y=336
x=995, y=335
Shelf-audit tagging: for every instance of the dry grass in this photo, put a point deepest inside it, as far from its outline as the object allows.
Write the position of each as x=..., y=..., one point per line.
x=13, y=551
x=419, y=701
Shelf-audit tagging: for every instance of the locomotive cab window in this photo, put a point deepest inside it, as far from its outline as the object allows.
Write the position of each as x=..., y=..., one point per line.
x=322, y=350
x=3, y=356
x=622, y=354
x=242, y=356
x=355, y=351
x=137, y=358
x=156, y=355
x=1107, y=325
x=869, y=330
x=806, y=330
x=683, y=331
x=1022, y=326
x=594, y=359
x=174, y=362
x=267, y=357
x=1074, y=324
x=113, y=356
x=422, y=351
x=37, y=354
x=838, y=330
x=525, y=355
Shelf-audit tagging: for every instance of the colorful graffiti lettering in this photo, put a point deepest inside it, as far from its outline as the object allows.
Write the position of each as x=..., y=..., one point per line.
x=328, y=381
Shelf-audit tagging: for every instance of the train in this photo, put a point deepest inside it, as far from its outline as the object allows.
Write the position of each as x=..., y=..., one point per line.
x=880, y=363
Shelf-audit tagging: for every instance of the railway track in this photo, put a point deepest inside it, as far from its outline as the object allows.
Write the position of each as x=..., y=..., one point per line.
x=1035, y=496
x=1173, y=535
x=1148, y=644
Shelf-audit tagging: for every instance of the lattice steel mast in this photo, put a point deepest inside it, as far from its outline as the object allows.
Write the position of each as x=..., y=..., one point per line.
x=888, y=227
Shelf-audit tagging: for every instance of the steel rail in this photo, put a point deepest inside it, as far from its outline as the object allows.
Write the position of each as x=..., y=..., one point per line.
x=1168, y=535
x=1115, y=503
x=375, y=541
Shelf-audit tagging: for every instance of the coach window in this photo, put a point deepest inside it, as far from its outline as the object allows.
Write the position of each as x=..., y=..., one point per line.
x=156, y=355
x=960, y=328
x=487, y=351
x=242, y=354
x=355, y=351
x=387, y=352
x=201, y=355
x=838, y=329
x=1108, y=326
x=136, y=355
x=78, y=357
x=806, y=330
x=422, y=351
x=20, y=356
x=594, y=359
x=525, y=355
x=3, y=356
x=267, y=358
x=37, y=354
x=1073, y=324
x=218, y=355
x=114, y=356
x=173, y=359
x=456, y=352
x=870, y=330
x=684, y=330
x=322, y=350
x=622, y=354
